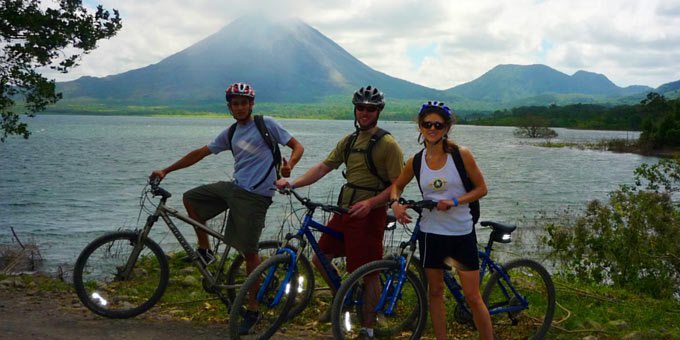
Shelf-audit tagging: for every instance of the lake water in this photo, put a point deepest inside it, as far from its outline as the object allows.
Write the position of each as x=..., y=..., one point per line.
x=80, y=176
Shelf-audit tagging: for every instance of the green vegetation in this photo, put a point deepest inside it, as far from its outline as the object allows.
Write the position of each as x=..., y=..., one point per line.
x=662, y=128
x=35, y=36
x=657, y=117
x=331, y=108
x=576, y=116
x=631, y=241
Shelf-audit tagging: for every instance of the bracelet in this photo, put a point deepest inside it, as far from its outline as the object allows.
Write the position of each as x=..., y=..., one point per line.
x=455, y=201
x=391, y=201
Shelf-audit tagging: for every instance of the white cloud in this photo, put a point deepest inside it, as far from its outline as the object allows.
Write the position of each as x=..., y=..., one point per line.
x=629, y=41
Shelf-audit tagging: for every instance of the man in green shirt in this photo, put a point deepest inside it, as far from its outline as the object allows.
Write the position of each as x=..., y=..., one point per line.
x=373, y=160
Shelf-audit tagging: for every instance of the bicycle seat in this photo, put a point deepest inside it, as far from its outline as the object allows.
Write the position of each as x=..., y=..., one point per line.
x=499, y=227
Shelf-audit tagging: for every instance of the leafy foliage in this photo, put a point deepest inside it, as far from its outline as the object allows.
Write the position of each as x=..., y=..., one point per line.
x=33, y=37
x=630, y=241
x=661, y=129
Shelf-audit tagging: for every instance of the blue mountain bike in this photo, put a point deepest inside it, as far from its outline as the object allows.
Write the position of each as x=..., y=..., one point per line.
x=282, y=286
x=520, y=294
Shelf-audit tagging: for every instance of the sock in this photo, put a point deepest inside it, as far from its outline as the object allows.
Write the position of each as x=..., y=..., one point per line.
x=369, y=331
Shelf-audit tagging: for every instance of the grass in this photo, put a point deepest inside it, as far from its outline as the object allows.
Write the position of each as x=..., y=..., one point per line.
x=582, y=310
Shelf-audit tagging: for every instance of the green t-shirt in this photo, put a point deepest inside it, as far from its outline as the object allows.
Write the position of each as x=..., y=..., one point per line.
x=387, y=157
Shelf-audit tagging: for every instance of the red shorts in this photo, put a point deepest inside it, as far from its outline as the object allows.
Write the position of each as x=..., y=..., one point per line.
x=363, y=238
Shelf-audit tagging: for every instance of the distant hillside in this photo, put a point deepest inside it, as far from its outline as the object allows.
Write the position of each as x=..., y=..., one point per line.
x=286, y=61
x=669, y=89
x=518, y=84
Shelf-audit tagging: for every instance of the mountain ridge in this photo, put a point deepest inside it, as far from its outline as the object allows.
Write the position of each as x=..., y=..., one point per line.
x=288, y=61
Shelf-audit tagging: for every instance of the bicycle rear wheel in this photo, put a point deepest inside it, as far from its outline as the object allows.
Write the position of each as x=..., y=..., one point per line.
x=364, y=297
x=532, y=281
x=105, y=286
x=263, y=302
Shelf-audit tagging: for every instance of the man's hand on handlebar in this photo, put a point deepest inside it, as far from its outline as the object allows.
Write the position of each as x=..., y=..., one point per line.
x=156, y=177
x=282, y=184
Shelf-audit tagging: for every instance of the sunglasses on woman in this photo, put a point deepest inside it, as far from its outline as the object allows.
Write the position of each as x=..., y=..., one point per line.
x=428, y=125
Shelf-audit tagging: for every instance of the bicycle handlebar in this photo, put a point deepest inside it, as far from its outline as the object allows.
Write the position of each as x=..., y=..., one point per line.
x=156, y=190
x=418, y=206
x=312, y=205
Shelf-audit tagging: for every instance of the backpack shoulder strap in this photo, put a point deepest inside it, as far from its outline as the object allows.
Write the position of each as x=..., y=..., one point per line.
x=369, y=155
x=460, y=166
x=467, y=183
x=230, y=136
x=417, y=160
x=349, y=144
x=262, y=128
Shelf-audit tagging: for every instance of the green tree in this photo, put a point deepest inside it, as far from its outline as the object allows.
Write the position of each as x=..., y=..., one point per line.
x=534, y=127
x=33, y=36
x=661, y=127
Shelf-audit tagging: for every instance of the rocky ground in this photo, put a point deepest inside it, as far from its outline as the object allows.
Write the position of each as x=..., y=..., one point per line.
x=29, y=313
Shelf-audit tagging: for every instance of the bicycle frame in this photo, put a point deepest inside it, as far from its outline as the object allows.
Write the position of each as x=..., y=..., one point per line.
x=167, y=213
x=388, y=301
x=487, y=263
x=303, y=236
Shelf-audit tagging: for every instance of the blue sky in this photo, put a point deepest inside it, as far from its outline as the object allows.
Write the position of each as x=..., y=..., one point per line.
x=437, y=43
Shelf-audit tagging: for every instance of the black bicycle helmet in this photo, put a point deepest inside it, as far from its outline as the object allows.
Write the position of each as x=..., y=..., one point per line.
x=435, y=106
x=369, y=96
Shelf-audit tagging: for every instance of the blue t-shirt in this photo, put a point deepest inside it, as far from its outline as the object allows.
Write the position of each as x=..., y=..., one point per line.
x=252, y=156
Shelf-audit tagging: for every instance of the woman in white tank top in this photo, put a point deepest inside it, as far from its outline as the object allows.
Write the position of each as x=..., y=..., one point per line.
x=447, y=231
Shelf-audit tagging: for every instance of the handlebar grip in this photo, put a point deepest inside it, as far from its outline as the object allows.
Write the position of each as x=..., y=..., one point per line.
x=154, y=181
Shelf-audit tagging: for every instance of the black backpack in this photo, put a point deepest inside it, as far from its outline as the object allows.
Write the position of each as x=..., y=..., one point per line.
x=268, y=139
x=368, y=153
x=460, y=166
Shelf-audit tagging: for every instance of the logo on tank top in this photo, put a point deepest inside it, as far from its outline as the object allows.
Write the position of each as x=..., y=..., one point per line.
x=438, y=184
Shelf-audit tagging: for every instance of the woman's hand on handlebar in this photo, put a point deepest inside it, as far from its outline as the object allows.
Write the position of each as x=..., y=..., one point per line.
x=400, y=213
x=444, y=205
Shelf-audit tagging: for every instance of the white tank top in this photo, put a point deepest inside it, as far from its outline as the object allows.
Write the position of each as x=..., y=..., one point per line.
x=440, y=185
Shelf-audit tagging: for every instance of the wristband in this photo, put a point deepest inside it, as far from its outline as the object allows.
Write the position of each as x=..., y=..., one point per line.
x=455, y=201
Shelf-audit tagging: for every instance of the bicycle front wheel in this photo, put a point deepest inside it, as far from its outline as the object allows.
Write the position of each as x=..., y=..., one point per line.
x=305, y=281
x=511, y=317
x=117, y=277
x=236, y=274
x=265, y=299
x=372, y=298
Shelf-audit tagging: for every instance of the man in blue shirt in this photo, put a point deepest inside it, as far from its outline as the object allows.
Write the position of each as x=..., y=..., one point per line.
x=250, y=193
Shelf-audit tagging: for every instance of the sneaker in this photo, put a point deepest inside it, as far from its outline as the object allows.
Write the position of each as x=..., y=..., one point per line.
x=325, y=316
x=363, y=334
x=207, y=256
x=249, y=320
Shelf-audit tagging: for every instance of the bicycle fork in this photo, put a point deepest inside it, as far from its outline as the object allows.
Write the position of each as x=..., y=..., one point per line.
x=284, y=286
x=125, y=271
x=393, y=291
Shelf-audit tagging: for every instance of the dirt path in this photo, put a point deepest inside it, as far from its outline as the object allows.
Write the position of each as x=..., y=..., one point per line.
x=29, y=314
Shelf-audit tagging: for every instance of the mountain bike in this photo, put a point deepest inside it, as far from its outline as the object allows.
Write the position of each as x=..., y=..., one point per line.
x=286, y=276
x=124, y=273
x=520, y=294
